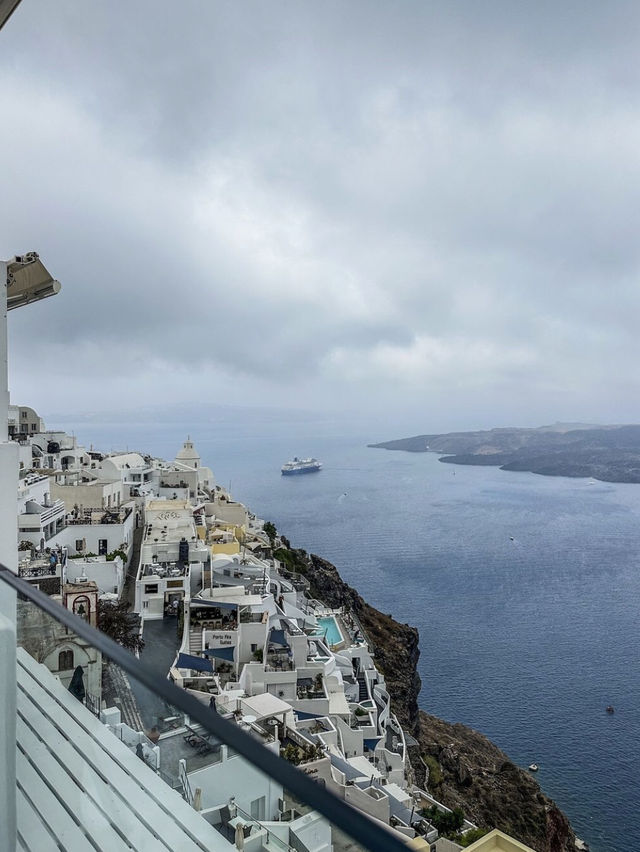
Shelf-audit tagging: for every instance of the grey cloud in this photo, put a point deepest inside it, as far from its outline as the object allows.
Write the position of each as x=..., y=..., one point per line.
x=350, y=200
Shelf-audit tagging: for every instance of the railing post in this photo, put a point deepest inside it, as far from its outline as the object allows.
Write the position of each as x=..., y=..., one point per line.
x=7, y=731
x=9, y=557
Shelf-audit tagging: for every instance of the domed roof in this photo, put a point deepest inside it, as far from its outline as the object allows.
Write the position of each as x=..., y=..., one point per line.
x=188, y=454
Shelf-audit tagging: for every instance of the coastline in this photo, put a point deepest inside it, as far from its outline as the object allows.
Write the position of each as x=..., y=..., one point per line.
x=458, y=765
x=606, y=453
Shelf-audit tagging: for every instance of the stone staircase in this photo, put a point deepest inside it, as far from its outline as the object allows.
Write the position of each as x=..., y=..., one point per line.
x=116, y=691
x=363, y=695
x=195, y=640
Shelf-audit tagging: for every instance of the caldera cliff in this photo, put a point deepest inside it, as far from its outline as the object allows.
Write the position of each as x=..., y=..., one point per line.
x=459, y=766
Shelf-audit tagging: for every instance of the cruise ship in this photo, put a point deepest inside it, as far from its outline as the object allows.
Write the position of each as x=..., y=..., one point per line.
x=300, y=466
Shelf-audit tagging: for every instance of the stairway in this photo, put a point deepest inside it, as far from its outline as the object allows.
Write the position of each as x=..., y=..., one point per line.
x=195, y=640
x=363, y=694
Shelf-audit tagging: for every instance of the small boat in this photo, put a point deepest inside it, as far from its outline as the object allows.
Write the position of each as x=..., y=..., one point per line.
x=533, y=767
x=610, y=708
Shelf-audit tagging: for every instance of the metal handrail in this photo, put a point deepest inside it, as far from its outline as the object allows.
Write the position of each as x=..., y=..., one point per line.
x=349, y=820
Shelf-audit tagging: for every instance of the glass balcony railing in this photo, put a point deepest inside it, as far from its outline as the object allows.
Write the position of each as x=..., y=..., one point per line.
x=112, y=754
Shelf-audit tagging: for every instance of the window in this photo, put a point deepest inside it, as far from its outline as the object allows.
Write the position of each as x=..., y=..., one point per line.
x=34, y=426
x=145, y=604
x=102, y=547
x=79, y=545
x=23, y=414
x=254, y=648
x=65, y=660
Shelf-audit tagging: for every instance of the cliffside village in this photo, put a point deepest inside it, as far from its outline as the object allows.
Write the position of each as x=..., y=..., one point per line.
x=224, y=619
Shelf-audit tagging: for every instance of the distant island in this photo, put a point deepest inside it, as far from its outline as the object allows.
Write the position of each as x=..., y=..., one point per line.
x=607, y=453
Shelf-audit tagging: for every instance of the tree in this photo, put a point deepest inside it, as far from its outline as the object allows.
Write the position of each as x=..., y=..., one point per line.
x=271, y=531
x=121, y=625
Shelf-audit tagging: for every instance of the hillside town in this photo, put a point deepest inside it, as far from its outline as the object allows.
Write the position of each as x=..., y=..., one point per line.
x=224, y=618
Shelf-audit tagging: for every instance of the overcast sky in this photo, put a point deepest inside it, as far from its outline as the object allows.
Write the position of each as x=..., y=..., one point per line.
x=418, y=207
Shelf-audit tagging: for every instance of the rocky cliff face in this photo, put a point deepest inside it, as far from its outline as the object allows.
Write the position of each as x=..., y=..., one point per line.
x=469, y=771
x=459, y=766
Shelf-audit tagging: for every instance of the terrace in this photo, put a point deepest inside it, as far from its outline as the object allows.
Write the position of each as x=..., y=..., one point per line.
x=307, y=687
x=394, y=740
x=164, y=569
x=212, y=618
x=279, y=660
x=40, y=566
x=94, y=517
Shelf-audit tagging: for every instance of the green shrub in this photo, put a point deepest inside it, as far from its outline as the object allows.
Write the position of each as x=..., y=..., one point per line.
x=448, y=823
x=470, y=837
x=111, y=556
x=291, y=753
x=435, y=770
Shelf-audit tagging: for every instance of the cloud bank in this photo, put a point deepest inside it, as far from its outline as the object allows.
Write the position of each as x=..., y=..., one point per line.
x=416, y=207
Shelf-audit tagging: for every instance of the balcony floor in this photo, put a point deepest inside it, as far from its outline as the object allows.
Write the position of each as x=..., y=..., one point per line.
x=79, y=788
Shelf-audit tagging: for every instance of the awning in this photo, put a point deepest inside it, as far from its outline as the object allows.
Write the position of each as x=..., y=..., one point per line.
x=195, y=602
x=277, y=637
x=220, y=653
x=198, y=664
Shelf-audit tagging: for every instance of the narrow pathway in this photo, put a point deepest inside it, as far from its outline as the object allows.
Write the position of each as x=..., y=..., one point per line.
x=129, y=588
x=161, y=644
x=116, y=691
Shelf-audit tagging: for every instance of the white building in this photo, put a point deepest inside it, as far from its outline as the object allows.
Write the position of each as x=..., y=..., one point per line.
x=55, y=450
x=107, y=574
x=23, y=422
x=40, y=518
x=98, y=531
x=134, y=471
x=171, y=556
x=83, y=489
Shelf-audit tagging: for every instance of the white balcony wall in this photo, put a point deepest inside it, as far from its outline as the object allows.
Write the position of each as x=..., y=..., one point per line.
x=108, y=576
x=236, y=777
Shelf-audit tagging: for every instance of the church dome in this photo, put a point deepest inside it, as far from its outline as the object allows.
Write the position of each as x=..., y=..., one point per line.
x=188, y=454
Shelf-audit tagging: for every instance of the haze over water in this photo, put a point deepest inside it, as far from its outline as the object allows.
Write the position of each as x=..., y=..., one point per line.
x=524, y=588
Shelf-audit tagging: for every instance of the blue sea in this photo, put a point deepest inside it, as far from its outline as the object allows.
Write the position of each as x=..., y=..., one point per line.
x=525, y=588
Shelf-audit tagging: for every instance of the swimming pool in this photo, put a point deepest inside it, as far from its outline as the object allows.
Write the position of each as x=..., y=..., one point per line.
x=328, y=627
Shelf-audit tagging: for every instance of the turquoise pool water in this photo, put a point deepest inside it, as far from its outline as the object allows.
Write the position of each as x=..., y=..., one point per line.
x=328, y=627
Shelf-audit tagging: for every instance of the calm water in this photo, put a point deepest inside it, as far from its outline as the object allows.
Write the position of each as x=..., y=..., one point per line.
x=525, y=589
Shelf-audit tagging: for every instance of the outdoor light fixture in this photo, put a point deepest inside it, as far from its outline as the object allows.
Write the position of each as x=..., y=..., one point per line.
x=7, y=7
x=28, y=281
